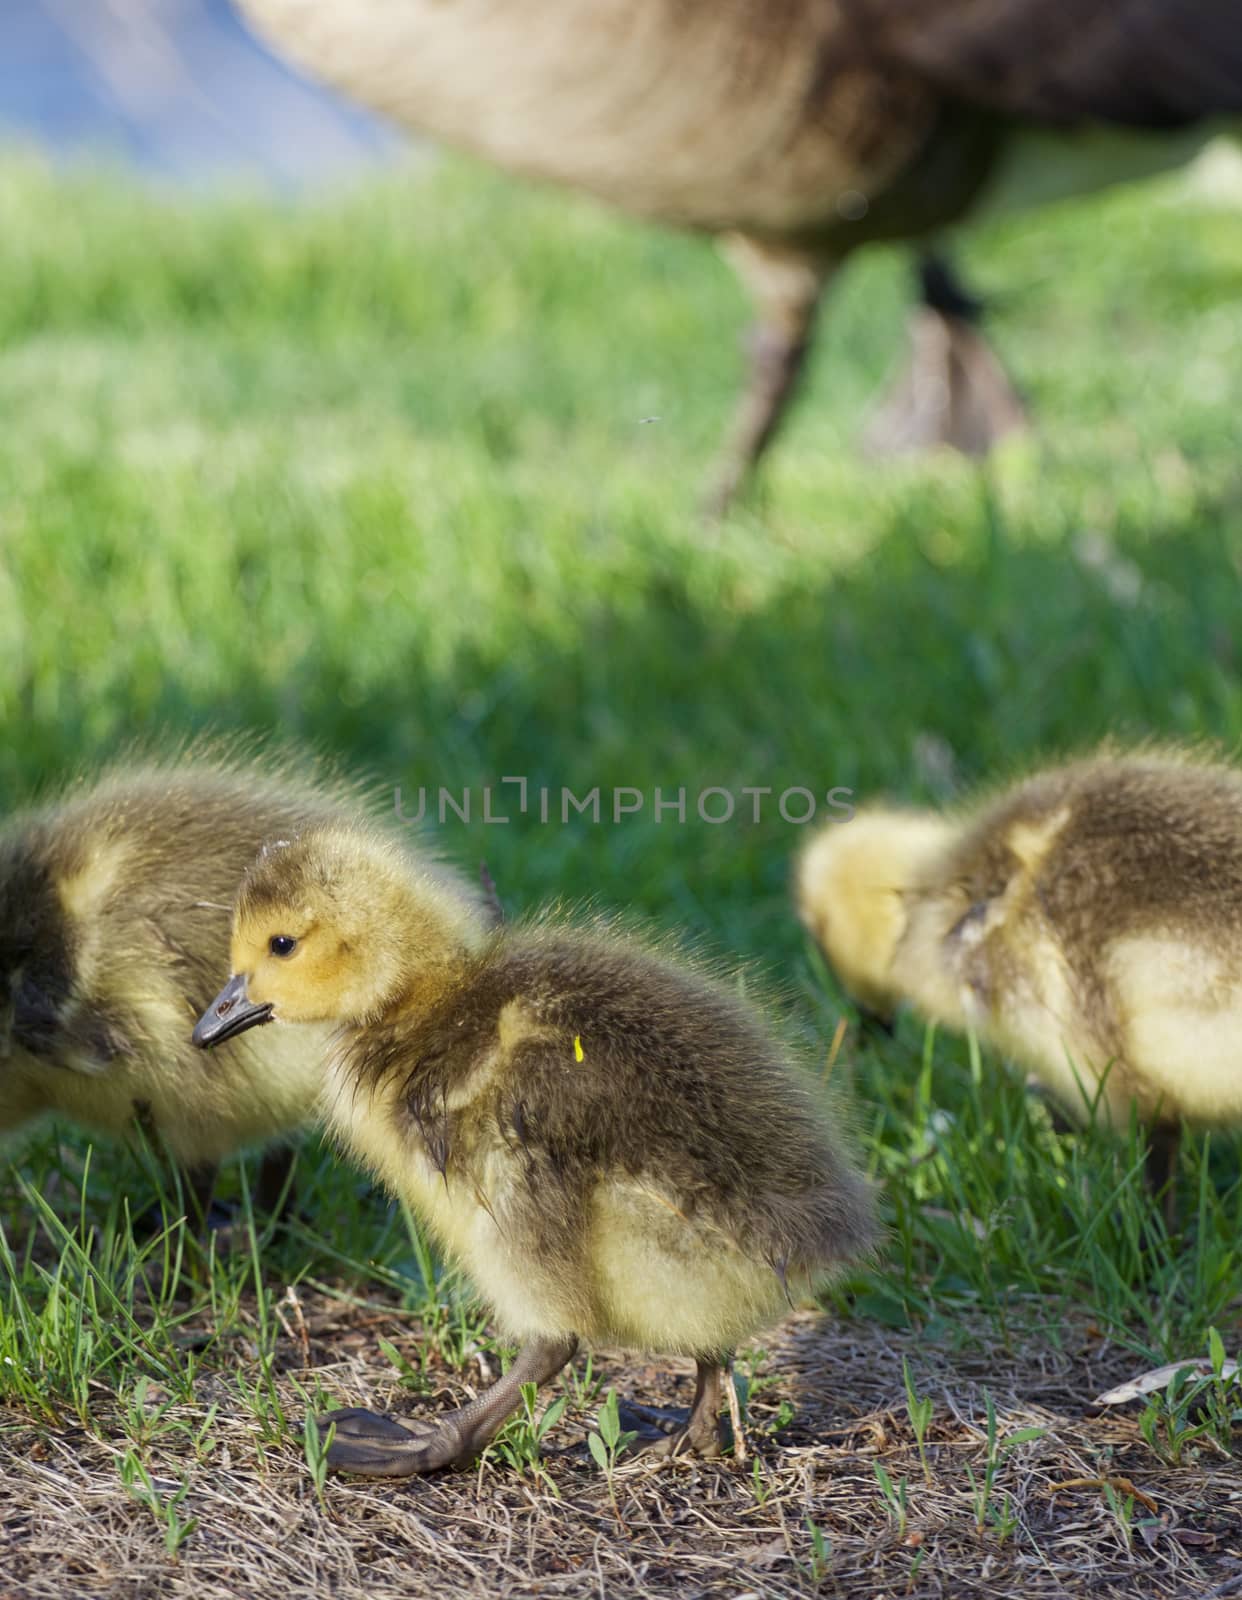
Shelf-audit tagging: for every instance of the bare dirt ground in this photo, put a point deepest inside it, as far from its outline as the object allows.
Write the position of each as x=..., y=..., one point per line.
x=68, y=1526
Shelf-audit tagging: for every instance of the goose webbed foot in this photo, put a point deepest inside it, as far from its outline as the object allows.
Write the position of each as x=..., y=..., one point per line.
x=955, y=391
x=673, y=1431
x=190, y=1191
x=375, y=1446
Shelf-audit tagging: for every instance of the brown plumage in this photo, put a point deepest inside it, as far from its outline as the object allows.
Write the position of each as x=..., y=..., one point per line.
x=615, y=1146
x=114, y=924
x=1087, y=920
x=795, y=130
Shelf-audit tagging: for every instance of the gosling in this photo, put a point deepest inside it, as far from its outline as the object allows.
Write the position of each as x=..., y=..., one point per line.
x=614, y=1146
x=114, y=924
x=1087, y=921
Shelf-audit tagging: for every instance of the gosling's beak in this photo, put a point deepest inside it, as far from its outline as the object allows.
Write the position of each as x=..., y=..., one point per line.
x=231, y=1012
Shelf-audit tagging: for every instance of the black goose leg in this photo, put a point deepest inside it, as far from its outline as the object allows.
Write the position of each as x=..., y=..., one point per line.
x=196, y=1185
x=374, y=1446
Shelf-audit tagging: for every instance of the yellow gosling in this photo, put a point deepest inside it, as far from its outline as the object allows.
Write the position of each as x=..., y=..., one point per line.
x=114, y=927
x=615, y=1147
x=1087, y=921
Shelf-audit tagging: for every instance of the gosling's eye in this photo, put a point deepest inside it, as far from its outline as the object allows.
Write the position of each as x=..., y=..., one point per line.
x=281, y=944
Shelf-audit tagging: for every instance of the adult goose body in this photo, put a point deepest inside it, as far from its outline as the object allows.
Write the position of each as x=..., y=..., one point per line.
x=797, y=130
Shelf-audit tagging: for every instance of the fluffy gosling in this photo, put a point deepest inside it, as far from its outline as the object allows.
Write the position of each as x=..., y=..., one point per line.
x=114, y=927
x=614, y=1146
x=1087, y=921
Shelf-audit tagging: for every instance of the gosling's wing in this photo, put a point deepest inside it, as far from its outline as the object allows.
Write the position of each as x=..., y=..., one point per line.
x=753, y=1159
x=190, y=945
x=560, y=1108
x=1142, y=63
x=1179, y=1014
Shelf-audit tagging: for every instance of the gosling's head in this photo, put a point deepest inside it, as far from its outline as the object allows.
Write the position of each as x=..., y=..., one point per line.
x=338, y=926
x=850, y=885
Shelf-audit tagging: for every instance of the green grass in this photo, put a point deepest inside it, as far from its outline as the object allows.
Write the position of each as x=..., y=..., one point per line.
x=377, y=472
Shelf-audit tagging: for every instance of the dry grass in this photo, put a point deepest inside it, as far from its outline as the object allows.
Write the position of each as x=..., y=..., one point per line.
x=69, y=1526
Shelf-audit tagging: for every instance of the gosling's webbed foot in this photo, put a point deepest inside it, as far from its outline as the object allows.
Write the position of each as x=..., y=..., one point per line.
x=216, y=1223
x=669, y=1431
x=374, y=1446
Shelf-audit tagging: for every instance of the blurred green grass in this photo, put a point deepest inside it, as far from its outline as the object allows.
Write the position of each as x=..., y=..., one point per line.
x=410, y=473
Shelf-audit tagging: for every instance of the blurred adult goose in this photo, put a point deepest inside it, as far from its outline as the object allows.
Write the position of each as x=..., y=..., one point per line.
x=796, y=130
x=614, y=1146
x=1086, y=920
x=114, y=926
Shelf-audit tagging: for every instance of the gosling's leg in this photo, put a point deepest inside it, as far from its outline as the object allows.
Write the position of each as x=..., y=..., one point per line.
x=271, y=1194
x=786, y=285
x=374, y=1446
x=274, y=1190
x=876, y=1024
x=196, y=1184
x=1161, y=1167
x=663, y=1431
x=955, y=391
x=200, y=1186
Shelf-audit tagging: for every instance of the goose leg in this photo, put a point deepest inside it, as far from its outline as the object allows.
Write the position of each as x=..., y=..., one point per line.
x=1161, y=1167
x=663, y=1431
x=274, y=1190
x=785, y=285
x=200, y=1184
x=876, y=1024
x=271, y=1195
x=196, y=1183
x=374, y=1446
x=955, y=392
